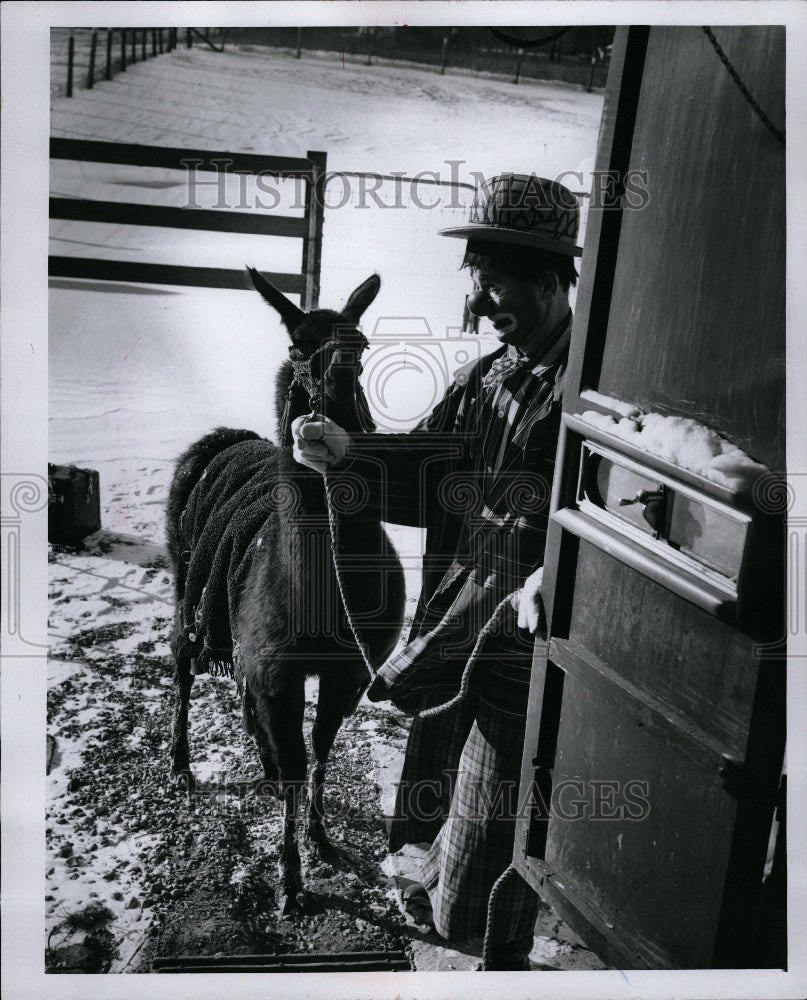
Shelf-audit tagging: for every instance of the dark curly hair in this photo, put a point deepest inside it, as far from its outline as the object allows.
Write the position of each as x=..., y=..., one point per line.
x=525, y=263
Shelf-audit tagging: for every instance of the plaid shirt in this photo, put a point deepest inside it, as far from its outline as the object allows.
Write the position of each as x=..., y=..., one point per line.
x=477, y=473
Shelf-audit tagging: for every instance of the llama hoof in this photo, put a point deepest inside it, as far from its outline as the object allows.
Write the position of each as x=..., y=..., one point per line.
x=289, y=903
x=329, y=854
x=324, y=849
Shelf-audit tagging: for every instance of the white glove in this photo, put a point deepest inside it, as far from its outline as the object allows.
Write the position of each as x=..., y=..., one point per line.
x=319, y=443
x=529, y=603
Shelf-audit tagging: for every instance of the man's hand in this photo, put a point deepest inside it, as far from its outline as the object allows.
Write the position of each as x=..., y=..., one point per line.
x=319, y=443
x=529, y=603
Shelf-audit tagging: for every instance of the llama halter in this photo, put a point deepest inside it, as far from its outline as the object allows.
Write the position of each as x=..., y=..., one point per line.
x=305, y=380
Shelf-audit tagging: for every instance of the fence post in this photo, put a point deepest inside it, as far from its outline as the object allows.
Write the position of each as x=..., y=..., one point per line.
x=108, y=54
x=134, y=46
x=154, y=41
x=299, y=43
x=312, y=242
x=143, y=53
x=160, y=39
x=188, y=39
x=223, y=38
x=591, y=75
x=123, y=50
x=443, y=60
x=71, y=48
x=518, y=65
x=91, y=71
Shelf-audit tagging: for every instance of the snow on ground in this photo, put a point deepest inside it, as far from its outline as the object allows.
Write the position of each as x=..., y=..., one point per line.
x=217, y=350
x=137, y=372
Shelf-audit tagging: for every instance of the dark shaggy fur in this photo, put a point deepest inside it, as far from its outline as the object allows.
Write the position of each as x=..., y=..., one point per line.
x=242, y=510
x=188, y=470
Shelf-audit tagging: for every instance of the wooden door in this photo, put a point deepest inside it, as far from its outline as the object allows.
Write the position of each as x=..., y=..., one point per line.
x=656, y=727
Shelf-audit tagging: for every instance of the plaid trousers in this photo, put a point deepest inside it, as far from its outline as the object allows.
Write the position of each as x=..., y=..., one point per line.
x=475, y=843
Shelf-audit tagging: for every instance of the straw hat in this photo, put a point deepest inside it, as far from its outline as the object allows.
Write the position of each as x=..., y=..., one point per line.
x=523, y=210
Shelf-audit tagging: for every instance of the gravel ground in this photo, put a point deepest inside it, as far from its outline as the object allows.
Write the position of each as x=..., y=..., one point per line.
x=136, y=868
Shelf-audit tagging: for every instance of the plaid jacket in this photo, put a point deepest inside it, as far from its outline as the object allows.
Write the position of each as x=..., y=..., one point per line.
x=477, y=474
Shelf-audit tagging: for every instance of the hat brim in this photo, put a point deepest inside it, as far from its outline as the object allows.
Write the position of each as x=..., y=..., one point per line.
x=514, y=237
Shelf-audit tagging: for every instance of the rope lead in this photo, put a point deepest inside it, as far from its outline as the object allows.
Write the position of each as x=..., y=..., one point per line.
x=333, y=530
x=486, y=630
x=487, y=945
x=466, y=673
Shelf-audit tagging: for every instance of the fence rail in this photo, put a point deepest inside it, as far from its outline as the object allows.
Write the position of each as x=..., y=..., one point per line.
x=311, y=170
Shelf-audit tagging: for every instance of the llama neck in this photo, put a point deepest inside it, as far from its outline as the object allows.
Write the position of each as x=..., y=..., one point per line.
x=345, y=402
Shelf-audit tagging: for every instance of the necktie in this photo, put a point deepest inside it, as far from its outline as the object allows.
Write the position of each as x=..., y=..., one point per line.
x=502, y=368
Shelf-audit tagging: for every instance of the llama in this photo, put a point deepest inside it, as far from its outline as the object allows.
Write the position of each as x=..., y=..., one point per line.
x=256, y=592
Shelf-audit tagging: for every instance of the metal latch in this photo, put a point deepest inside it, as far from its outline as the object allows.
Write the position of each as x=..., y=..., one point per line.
x=653, y=506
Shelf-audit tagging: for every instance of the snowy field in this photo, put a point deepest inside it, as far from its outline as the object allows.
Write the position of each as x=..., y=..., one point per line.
x=137, y=372
x=140, y=371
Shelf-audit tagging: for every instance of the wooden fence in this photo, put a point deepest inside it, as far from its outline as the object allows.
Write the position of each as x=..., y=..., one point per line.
x=307, y=228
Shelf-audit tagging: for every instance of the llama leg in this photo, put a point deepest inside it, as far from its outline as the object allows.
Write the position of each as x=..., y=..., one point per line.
x=338, y=697
x=268, y=784
x=180, y=754
x=281, y=719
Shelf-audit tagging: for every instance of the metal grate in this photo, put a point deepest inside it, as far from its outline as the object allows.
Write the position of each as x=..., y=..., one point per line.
x=354, y=961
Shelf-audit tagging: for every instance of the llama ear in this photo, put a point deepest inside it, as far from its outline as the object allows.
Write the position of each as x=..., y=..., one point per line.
x=289, y=313
x=361, y=298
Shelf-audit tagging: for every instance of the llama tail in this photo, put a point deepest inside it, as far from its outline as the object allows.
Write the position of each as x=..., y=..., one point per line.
x=187, y=473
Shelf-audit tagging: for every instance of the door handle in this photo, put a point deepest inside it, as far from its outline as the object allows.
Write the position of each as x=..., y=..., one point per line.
x=653, y=504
